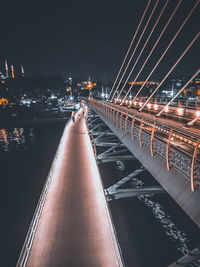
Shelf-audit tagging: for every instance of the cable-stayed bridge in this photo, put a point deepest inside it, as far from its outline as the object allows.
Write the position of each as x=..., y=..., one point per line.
x=72, y=225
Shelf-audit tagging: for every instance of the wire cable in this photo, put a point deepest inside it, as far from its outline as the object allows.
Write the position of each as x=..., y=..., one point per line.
x=149, y=36
x=130, y=47
x=135, y=49
x=179, y=92
x=177, y=6
x=169, y=45
x=175, y=64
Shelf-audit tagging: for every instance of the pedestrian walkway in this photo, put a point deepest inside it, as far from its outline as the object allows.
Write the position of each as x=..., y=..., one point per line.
x=75, y=227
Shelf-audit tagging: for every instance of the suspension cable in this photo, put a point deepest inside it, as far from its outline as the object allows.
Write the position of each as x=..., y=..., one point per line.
x=129, y=47
x=179, y=92
x=175, y=64
x=149, y=36
x=135, y=48
x=173, y=13
x=169, y=45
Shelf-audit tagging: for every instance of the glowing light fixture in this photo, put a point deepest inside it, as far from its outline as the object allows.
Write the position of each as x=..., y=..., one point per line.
x=149, y=105
x=166, y=109
x=197, y=113
x=180, y=111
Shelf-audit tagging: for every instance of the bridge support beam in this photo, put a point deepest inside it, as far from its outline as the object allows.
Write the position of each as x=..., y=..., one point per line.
x=114, y=191
x=133, y=192
x=115, y=153
x=192, y=257
x=173, y=181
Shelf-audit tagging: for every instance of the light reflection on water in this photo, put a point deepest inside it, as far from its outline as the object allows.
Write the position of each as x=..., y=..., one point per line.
x=171, y=230
x=15, y=137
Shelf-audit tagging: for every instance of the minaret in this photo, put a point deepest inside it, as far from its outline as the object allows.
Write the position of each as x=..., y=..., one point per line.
x=22, y=70
x=102, y=89
x=6, y=67
x=12, y=71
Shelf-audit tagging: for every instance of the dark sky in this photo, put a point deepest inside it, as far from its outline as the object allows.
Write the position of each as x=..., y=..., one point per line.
x=91, y=38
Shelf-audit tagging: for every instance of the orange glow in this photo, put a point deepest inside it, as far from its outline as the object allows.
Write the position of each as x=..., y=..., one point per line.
x=2, y=81
x=3, y=101
x=142, y=82
x=90, y=85
x=68, y=89
x=3, y=136
x=12, y=71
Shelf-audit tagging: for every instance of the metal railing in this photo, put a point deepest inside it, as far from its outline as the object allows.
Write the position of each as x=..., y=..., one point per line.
x=178, y=147
x=182, y=109
x=35, y=220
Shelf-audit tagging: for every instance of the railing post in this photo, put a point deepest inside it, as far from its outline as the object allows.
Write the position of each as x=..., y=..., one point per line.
x=140, y=132
x=110, y=110
x=121, y=120
x=113, y=115
x=132, y=127
x=152, y=139
x=193, y=166
x=126, y=123
x=117, y=117
x=168, y=162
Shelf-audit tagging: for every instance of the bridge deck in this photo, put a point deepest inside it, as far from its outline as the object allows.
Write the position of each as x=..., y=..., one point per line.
x=172, y=122
x=75, y=228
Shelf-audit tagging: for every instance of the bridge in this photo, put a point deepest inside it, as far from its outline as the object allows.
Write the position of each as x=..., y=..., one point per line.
x=72, y=224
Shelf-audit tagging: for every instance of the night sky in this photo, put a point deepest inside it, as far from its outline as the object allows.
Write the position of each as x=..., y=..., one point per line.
x=91, y=39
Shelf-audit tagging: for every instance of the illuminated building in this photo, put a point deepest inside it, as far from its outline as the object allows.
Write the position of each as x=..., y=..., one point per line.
x=12, y=72
x=22, y=70
x=6, y=68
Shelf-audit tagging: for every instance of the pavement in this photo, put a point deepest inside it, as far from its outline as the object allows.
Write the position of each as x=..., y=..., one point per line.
x=75, y=227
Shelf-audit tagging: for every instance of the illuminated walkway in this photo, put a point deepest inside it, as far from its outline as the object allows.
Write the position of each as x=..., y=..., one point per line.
x=74, y=228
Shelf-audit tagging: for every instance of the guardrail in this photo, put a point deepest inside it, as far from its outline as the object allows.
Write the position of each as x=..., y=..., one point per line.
x=186, y=110
x=177, y=147
x=35, y=220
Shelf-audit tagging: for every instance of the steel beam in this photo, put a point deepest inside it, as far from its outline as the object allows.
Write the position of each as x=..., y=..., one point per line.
x=192, y=257
x=133, y=192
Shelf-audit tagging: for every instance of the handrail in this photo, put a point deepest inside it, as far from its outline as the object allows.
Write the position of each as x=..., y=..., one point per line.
x=36, y=216
x=193, y=136
x=177, y=144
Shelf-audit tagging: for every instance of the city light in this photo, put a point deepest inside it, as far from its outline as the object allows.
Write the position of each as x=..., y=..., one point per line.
x=166, y=109
x=149, y=105
x=198, y=113
x=180, y=111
